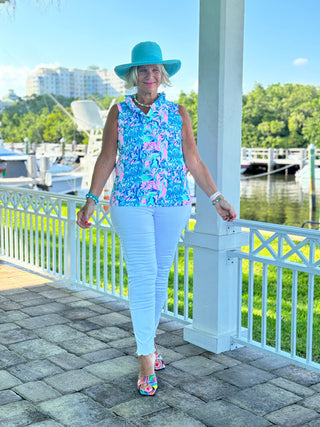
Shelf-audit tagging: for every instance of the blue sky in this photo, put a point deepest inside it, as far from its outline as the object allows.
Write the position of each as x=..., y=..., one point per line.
x=281, y=42
x=281, y=38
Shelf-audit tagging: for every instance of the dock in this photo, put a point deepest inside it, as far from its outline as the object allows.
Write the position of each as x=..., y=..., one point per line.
x=275, y=158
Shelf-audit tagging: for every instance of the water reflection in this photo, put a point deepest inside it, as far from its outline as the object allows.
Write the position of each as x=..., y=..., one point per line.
x=277, y=199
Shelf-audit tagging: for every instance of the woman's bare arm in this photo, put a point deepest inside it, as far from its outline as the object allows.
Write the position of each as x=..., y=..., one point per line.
x=103, y=167
x=198, y=169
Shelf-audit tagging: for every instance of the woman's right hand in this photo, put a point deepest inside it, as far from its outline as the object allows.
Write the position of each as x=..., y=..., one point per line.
x=225, y=210
x=85, y=214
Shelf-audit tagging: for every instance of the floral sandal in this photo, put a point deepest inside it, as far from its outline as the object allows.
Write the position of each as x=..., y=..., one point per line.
x=159, y=362
x=152, y=385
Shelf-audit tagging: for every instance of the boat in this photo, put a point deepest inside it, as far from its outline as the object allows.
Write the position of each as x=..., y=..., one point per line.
x=20, y=170
x=303, y=175
x=71, y=177
x=90, y=119
x=62, y=179
x=13, y=168
x=245, y=166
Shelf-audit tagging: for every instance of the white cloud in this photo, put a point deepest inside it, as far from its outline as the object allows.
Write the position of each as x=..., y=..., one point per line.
x=16, y=77
x=13, y=78
x=300, y=61
x=172, y=93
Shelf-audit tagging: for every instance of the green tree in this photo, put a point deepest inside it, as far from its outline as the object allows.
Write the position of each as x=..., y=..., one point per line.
x=190, y=102
x=36, y=103
x=58, y=125
x=311, y=129
x=277, y=116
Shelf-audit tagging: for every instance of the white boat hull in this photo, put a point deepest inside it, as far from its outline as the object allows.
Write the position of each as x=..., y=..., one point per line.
x=66, y=184
x=303, y=175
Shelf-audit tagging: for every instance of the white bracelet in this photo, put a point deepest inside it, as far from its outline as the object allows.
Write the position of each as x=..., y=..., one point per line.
x=215, y=196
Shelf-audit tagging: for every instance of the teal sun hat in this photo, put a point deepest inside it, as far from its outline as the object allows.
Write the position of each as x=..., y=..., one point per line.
x=146, y=53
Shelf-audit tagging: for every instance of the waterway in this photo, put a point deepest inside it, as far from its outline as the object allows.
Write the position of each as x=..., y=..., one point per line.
x=277, y=199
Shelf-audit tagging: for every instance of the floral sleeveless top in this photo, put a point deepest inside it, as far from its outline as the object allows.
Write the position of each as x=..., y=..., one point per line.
x=150, y=169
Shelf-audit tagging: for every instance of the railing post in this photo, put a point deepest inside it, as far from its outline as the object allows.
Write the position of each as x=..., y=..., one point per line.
x=303, y=160
x=71, y=264
x=312, y=188
x=244, y=154
x=270, y=159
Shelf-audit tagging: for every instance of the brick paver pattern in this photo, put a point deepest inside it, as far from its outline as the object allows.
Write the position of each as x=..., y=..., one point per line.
x=67, y=358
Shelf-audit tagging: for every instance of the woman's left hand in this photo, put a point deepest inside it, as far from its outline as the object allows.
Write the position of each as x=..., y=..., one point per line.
x=225, y=210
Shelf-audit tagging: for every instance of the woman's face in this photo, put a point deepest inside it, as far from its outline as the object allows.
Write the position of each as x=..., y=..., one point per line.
x=149, y=77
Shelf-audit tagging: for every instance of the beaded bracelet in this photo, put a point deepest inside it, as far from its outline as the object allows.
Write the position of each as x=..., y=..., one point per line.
x=216, y=200
x=214, y=196
x=93, y=197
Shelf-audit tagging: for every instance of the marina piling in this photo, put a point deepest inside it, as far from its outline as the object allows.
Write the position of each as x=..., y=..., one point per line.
x=270, y=159
x=26, y=140
x=32, y=166
x=312, y=187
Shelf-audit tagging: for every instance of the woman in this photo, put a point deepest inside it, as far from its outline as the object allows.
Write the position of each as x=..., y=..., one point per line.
x=150, y=202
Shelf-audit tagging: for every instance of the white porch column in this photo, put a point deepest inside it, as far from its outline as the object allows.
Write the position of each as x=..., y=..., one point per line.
x=219, y=143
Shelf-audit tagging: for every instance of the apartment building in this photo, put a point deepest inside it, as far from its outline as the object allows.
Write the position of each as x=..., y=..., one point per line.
x=75, y=83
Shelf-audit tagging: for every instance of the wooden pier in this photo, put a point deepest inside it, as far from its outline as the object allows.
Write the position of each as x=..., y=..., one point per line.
x=275, y=158
x=47, y=148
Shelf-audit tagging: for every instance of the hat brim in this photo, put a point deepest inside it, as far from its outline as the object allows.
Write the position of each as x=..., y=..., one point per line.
x=172, y=66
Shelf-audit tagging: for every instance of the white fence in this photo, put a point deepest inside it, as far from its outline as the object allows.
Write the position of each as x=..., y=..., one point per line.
x=277, y=156
x=278, y=274
x=47, y=148
x=39, y=230
x=279, y=291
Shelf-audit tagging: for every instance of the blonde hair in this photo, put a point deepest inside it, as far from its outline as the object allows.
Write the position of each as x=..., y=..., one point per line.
x=131, y=78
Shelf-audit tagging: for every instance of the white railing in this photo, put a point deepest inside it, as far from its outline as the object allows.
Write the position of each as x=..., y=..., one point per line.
x=39, y=230
x=46, y=148
x=277, y=156
x=278, y=273
x=279, y=291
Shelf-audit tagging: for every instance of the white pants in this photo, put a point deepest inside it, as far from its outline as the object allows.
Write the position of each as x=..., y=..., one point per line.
x=149, y=238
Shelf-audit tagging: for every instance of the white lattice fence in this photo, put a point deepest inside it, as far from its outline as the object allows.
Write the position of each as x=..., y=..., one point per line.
x=279, y=291
x=39, y=230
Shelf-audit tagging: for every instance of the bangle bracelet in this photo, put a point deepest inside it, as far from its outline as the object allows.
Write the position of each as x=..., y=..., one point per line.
x=214, y=196
x=93, y=197
x=216, y=200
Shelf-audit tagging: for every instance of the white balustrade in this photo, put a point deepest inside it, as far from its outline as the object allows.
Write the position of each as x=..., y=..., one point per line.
x=38, y=230
x=275, y=253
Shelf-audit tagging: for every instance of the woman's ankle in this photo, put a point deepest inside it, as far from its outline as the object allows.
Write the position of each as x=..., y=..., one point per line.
x=146, y=365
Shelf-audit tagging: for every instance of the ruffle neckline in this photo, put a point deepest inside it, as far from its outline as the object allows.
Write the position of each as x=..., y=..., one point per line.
x=154, y=107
